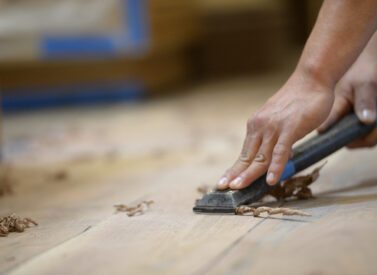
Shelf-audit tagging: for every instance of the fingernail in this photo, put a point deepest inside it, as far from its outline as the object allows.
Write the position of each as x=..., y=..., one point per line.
x=271, y=178
x=367, y=116
x=236, y=182
x=222, y=182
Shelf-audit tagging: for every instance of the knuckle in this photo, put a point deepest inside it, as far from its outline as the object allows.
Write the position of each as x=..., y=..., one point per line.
x=244, y=159
x=255, y=123
x=261, y=159
x=250, y=123
x=244, y=156
x=258, y=121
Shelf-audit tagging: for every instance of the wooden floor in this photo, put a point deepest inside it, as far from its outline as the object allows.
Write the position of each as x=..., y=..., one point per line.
x=162, y=151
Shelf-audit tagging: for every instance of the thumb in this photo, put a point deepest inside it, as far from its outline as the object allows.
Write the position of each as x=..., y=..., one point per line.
x=365, y=103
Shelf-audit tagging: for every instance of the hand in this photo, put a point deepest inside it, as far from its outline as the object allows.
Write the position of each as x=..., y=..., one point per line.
x=357, y=90
x=299, y=107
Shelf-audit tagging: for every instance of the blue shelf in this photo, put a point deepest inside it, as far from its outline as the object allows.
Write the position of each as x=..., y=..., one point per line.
x=132, y=40
x=83, y=94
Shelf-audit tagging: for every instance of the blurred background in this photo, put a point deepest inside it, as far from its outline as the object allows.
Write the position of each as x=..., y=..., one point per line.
x=93, y=51
x=108, y=102
x=140, y=77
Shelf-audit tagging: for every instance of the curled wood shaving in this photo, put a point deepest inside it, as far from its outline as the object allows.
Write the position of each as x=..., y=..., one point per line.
x=137, y=210
x=203, y=189
x=296, y=186
x=13, y=223
x=245, y=210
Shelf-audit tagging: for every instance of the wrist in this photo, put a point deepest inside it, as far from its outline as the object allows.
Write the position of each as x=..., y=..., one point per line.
x=313, y=74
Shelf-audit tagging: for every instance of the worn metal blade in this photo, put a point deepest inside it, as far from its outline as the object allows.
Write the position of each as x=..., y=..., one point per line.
x=227, y=201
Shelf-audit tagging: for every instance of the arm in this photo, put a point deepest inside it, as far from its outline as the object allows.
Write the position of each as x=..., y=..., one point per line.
x=342, y=30
x=358, y=90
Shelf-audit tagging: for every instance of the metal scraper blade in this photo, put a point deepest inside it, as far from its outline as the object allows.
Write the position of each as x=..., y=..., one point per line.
x=227, y=201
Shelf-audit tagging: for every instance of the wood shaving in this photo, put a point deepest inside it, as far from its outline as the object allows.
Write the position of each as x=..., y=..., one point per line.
x=137, y=210
x=60, y=175
x=203, y=189
x=296, y=187
x=248, y=210
x=5, y=182
x=5, y=187
x=14, y=223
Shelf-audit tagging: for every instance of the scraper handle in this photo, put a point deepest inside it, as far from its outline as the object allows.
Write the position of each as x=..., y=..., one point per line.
x=346, y=130
x=313, y=150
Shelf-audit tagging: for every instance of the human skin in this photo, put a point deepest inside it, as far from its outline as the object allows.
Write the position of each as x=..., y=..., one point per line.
x=342, y=30
x=357, y=90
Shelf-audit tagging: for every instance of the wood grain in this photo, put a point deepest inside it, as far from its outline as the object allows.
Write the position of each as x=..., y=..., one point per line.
x=163, y=150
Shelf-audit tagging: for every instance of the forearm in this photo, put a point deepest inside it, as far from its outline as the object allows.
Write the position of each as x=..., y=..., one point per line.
x=370, y=52
x=342, y=30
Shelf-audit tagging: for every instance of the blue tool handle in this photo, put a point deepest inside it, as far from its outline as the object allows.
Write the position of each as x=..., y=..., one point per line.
x=348, y=129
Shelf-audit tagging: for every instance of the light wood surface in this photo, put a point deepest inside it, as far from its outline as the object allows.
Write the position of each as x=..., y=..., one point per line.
x=163, y=150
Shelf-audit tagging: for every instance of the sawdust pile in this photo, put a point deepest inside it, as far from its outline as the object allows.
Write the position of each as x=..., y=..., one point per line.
x=13, y=223
x=137, y=210
x=296, y=187
x=248, y=210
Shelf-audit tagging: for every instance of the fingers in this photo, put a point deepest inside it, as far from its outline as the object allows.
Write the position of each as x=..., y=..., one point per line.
x=365, y=103
x=340, y=108
x=280, y=157
x=259, y=165
x=249, y=150
x=368, y=141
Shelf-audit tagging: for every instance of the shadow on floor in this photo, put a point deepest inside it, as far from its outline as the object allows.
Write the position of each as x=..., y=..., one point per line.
x=331, y=197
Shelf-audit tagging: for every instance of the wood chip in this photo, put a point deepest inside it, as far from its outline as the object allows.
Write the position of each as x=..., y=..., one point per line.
x=5, y=182
x=137, y=210
x=296, y=187
x=203, y=189
x=248, y=210
x=60, y=175
x=14, y=223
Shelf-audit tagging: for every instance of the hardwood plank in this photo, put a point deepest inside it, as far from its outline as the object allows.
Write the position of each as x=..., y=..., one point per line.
x=339, y=239
x=163, y=150
x=113, y=149
x=177, y=241
x=169, y=238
